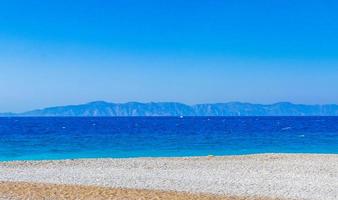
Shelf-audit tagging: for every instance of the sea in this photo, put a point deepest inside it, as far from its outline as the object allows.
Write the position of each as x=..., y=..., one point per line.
x=124, y=137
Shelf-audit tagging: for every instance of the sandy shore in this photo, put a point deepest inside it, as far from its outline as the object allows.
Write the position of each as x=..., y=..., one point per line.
x=289, y=176
x=42, y=191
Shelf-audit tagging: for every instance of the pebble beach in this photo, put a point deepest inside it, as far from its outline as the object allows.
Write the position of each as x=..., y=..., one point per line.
x=261, y=177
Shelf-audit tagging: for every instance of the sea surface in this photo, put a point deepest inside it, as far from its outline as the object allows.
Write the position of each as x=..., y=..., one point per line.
x=122, y=137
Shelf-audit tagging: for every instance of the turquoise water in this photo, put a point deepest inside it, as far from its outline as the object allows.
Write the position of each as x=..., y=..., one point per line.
x=116, y=137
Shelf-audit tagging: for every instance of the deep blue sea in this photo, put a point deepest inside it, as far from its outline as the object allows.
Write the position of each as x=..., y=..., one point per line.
x=116, y=137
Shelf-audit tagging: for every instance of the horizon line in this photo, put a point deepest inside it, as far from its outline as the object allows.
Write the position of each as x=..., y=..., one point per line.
x=177, y=102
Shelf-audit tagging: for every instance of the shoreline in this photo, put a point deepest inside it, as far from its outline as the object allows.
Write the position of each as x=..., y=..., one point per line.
x=165, y=157
x=284, y=176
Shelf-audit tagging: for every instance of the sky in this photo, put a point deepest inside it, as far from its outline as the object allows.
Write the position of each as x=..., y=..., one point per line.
x=62, y=52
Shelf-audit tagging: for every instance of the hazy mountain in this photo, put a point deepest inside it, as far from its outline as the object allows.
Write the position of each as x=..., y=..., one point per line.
x=101, y=108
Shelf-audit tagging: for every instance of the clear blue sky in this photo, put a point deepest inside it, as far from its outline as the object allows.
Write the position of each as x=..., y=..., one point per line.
x=69, y=52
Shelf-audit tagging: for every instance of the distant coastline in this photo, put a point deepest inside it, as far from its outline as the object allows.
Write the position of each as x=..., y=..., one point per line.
x=106, y=109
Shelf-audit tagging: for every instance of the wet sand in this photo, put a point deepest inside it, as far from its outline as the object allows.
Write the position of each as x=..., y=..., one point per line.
x=285, y=176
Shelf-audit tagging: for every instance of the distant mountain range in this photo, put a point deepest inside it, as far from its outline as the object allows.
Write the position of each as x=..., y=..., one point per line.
x=105, y=109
